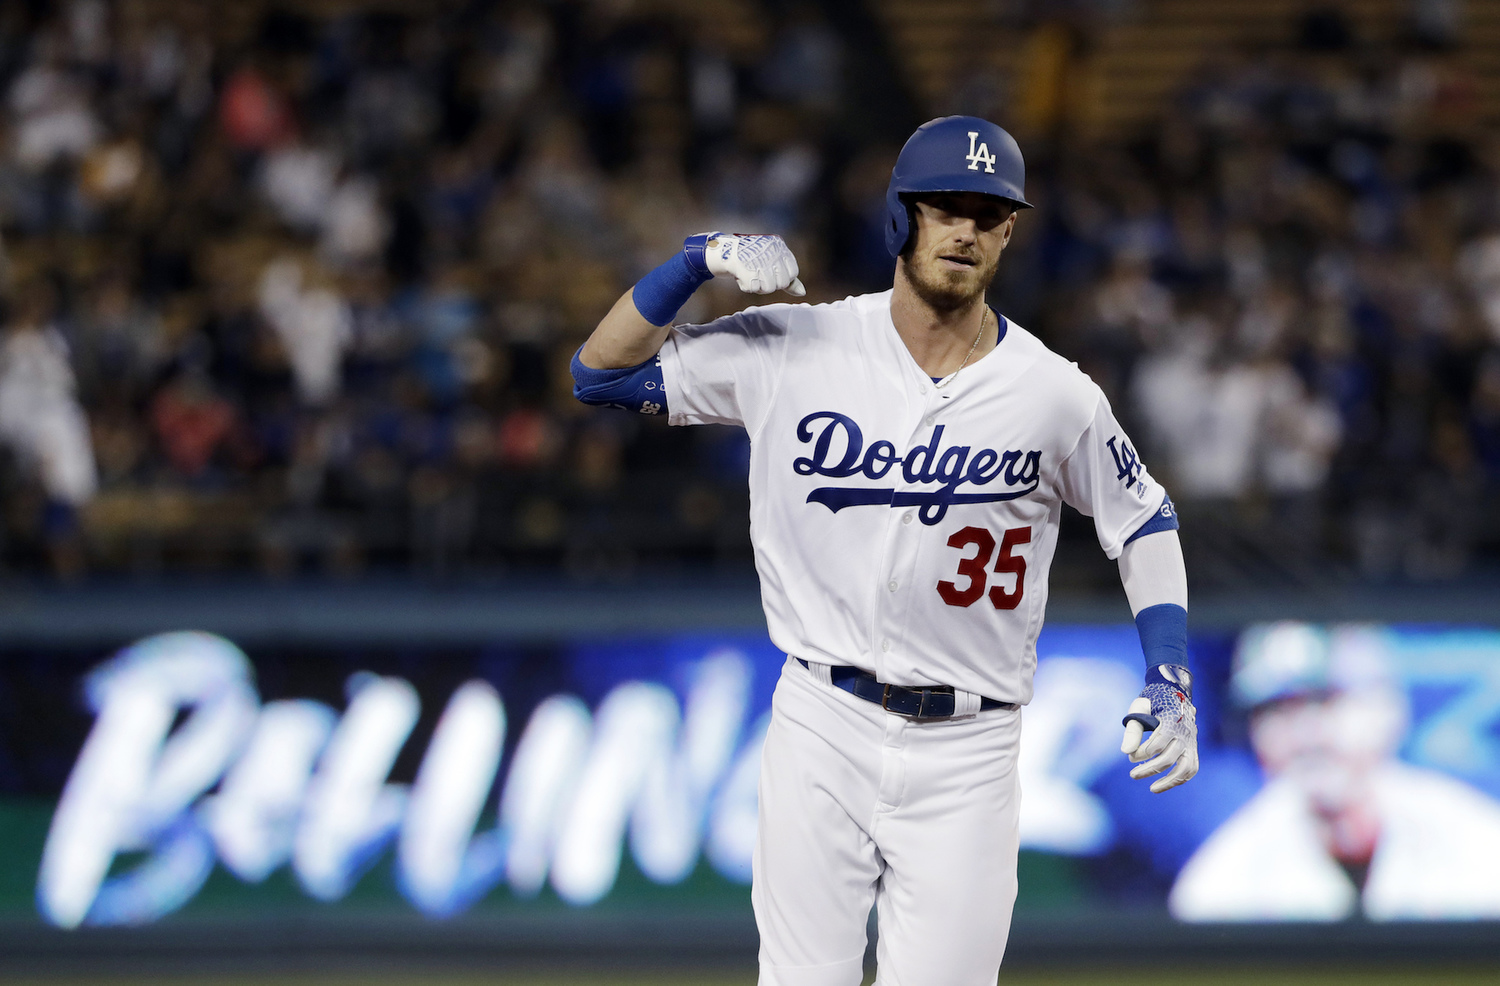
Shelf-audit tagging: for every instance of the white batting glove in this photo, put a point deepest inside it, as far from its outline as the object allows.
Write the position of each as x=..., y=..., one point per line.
x=1165, y=709
x=760, y=263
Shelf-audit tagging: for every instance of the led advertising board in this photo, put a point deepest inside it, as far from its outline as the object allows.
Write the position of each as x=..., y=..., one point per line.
x=1347, y=771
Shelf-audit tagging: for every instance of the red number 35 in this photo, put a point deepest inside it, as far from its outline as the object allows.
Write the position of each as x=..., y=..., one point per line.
x=974, y=568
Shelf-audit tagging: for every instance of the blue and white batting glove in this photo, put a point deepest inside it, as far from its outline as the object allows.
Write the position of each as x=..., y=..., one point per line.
x=1165, y=710
x=760, y=263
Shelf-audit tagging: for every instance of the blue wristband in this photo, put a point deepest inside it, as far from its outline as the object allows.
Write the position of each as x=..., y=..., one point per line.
x=1163, y=630
x=660, y=294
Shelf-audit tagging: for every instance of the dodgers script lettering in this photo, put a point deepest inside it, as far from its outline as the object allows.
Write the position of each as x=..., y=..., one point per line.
x=839, y=452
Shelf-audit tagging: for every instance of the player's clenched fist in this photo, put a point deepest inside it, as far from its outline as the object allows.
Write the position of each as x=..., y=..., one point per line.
x=1165, y=709
x=760, y=263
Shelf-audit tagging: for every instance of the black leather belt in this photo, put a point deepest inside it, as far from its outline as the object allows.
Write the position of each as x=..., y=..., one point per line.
x=914, y=703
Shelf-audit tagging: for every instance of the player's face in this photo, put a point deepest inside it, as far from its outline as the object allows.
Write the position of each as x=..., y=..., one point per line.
x=957, y=247
x=1328, y=744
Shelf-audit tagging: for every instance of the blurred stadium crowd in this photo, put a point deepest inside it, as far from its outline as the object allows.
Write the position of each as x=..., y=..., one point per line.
x=294, y=288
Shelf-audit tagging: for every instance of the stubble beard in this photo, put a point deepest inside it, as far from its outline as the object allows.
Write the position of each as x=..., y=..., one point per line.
x=947, y=291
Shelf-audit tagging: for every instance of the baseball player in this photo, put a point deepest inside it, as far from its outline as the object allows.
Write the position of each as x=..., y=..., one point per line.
x=910, y=455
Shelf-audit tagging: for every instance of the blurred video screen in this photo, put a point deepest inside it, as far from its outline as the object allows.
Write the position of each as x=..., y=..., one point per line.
x=1347, y=771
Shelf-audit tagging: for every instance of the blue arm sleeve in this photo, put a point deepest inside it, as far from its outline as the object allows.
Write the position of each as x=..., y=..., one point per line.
x=634, y=388
x=1165, y=519
x=1163, y=630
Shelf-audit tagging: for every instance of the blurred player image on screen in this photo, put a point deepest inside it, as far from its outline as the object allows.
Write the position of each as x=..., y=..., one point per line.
x=911, y=452
x=1342, y=826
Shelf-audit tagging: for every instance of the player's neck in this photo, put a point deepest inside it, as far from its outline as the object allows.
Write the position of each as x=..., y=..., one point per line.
x=940, y=341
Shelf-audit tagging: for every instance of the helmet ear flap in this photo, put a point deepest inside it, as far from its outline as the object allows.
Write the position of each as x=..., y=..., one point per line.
x=898, y=212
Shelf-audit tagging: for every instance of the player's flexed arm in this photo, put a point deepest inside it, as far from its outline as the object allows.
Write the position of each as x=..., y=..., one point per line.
x=617, y=366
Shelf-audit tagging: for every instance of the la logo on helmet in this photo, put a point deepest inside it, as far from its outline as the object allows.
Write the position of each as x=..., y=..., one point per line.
x=982, y=155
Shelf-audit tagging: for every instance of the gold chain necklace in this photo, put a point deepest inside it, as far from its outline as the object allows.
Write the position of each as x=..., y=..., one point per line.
x=984, y=317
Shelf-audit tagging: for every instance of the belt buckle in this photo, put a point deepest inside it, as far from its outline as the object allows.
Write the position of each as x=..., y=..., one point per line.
x=885, y=702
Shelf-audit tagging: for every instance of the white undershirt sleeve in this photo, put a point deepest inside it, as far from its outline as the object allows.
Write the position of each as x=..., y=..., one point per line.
x=1153, y=572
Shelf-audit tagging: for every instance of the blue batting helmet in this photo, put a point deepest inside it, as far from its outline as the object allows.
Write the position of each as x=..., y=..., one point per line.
x=953, y=154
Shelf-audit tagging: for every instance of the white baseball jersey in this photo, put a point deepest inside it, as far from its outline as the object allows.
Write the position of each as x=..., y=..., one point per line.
x=899, y=526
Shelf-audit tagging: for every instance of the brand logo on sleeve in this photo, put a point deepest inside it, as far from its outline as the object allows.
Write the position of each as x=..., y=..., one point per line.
x=839, y=451
x=1127, y=464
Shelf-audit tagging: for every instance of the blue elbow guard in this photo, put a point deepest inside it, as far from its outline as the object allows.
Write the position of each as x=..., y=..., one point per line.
x=634, y=388
x=1165, y=519
x=1163, y=630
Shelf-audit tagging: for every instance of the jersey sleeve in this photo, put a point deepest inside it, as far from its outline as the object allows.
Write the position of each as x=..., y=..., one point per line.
x=1104, y=478
x=725, y=371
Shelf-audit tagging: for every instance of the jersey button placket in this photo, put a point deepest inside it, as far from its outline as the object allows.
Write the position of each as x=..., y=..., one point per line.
x=902, y=543
x=897, y=566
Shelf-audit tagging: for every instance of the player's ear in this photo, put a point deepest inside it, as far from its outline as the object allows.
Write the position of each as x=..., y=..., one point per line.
x=1009, y=227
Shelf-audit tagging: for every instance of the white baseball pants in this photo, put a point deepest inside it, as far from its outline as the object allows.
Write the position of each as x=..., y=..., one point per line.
x=858, y=805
